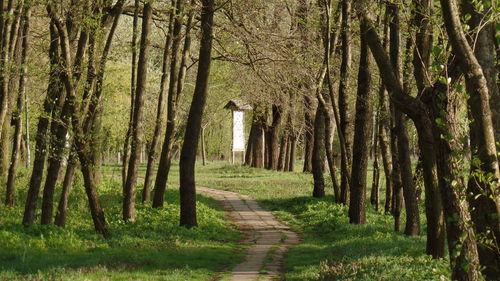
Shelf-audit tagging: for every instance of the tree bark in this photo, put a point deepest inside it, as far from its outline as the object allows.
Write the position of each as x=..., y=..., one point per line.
x=485, y=209
x=362, y=135
x=318, y=156
x=152, y=153
x=54, y=93
x=345, y=120
x=374, y=194
x=62, y=208
x=5, y=26
x=412, y=227
x=16, y=147
x=453, y=207
x=166, y=152
x=133, y=79
x=137, y=126
x=421, y=62
x=193, y=126
x=308, y=134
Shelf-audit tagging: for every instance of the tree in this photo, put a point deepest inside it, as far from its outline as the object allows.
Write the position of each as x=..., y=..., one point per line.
x=193, y=126
x=137, y=123
x=362, y=135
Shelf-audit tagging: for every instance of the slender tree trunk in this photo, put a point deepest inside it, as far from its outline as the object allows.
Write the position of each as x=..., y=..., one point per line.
x=345, y=121
x=308, y=135
x=193, y=126
x=362, y=135
x=69, y=176
x=152, y=153
x=374, y=194
x=133, y=79
x=293, y=148
x=54, y=93
x=258, y=145
x=10, y=195
x=421, y=62
x=203, y=147
x=318, y=157
x=412, y=226
x=250, y=142
x=166, y=152
x=137, y=130
x=5, y=26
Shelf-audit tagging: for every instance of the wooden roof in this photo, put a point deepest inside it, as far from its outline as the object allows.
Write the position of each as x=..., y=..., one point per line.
x=238, y=105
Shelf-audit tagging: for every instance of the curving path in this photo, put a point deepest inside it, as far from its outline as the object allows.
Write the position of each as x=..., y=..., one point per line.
x=269, y=239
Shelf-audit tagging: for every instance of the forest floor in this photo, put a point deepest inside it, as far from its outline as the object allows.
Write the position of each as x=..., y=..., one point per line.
x=156, y=248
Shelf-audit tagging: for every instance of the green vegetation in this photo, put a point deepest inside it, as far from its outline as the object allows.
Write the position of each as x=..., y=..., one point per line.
x=332, y=249
x=153, y=248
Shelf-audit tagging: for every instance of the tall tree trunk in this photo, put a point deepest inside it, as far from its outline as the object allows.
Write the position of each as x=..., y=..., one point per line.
x=308, y=134
x=318, y=157
x=54, y=93
x=16, y=148
x=193, y=126
x=5, y=28
x=166, y=152
x=412, y=226
x=345, y=121
x=482, y=197
x=133, y=79
x=362, y=134
x=374, y=194
x=421, y=62
x=152, y=153
x=137, y=125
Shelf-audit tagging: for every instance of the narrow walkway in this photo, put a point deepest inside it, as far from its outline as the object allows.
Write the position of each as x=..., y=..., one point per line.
x=269, y=239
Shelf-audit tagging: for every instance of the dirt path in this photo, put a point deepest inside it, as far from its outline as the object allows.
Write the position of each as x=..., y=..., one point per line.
x=268, y=238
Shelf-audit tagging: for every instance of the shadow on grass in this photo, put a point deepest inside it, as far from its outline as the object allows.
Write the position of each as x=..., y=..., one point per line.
x=154, y=243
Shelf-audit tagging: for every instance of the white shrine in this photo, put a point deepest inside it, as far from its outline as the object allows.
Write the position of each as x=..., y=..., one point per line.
x=238, y=142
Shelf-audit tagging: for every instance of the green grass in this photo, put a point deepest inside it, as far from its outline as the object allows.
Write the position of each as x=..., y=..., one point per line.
x=331, y=248
x=154, y=248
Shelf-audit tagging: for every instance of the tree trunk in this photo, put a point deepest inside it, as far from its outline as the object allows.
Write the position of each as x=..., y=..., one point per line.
x=453, y=207
x=16, y=148
x=412, y=226
x=152, y=153
x=5, y=26
x=374, y=194
x=54, y=93
x=166, y=152
x=421, y=62
x=137, y=126
x=133, y=79
x=482, y=197
x=258, y=144
x=362, y=135
x=273, y=138
x=318, y=157
x=345, y=122
x=293, y=147
x=69, y=176
x=309, y=134
x=203, y=147
x=193, y=126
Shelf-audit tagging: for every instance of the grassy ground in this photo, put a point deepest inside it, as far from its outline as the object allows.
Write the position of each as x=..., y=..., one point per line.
x=154, y=248
x=332, y=249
